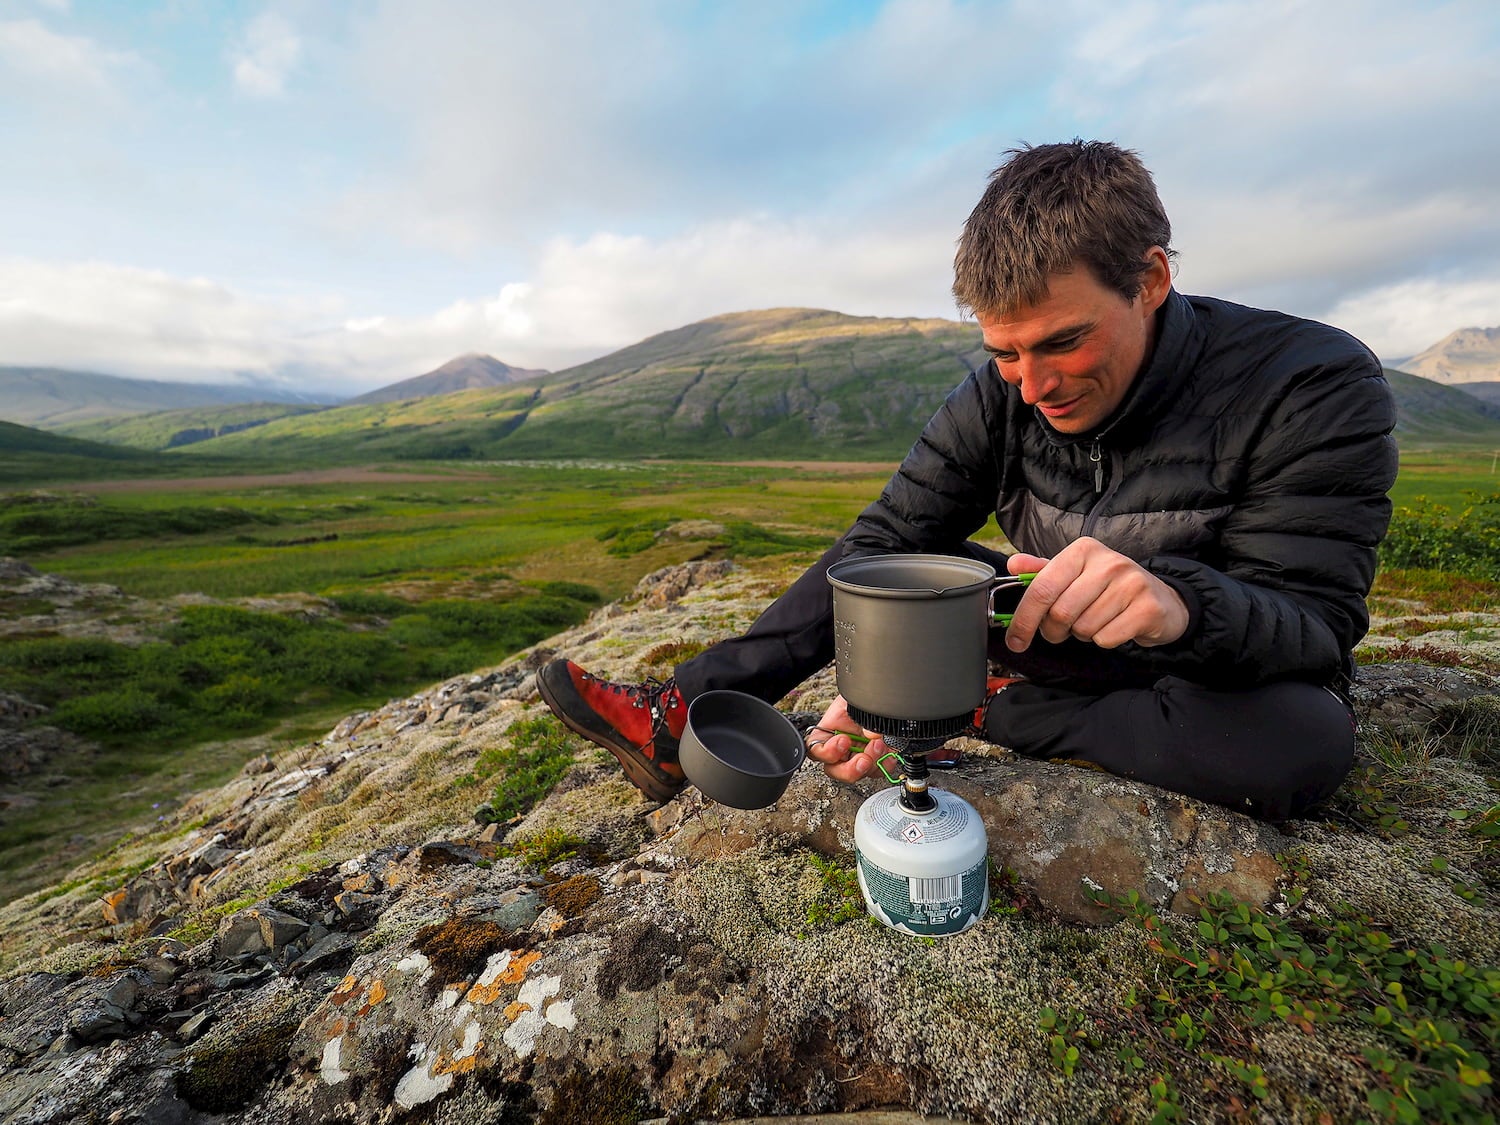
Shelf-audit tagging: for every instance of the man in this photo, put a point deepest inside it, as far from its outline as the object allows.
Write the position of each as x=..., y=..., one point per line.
x=1199, y=486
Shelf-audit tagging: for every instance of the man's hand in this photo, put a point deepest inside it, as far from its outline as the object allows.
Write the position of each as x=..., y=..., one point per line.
x=843, y=758
x=1095, y=594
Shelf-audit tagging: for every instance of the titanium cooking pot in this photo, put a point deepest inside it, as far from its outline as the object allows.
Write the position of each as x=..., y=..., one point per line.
x=739, y=750
x=911, y=633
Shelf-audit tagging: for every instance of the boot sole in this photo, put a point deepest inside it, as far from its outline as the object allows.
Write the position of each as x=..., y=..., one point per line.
x=642, y=776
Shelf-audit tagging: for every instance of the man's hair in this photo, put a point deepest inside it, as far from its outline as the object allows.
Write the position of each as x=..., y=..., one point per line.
x=1048, y=208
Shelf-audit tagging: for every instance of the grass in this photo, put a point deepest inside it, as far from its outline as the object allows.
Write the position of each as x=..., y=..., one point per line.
x=540, y=522
x=539, y=752
x=411, y=560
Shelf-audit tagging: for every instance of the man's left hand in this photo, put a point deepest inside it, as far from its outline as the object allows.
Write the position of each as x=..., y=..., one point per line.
x=1096, y=594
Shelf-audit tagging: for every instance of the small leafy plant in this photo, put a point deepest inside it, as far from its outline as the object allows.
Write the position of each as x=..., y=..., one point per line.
x=1430, y=1022
x=840, y=901
x=537, y=755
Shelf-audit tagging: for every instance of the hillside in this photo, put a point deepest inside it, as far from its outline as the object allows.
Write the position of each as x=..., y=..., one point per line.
x=802, y=383
x=1485, y=392
x=781, y=383
x=170, y=429
x=52, y=398
x=466, y=373
x=1431, y=412
x=27, y=454
x=1470, y=355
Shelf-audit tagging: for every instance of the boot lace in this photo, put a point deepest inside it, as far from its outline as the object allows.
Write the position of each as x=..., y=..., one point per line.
x=650, y=695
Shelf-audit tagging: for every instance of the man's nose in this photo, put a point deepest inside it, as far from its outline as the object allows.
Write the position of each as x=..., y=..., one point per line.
x=1035, y=379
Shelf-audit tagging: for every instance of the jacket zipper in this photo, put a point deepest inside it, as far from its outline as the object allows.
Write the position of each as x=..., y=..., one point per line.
x=1101, y=497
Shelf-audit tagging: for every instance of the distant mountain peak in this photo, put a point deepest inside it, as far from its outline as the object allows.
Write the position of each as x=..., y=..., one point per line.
x=1470, y=355
x=462, y=373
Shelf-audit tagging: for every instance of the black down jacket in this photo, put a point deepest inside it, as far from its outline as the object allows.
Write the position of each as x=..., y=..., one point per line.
x=1248, y=467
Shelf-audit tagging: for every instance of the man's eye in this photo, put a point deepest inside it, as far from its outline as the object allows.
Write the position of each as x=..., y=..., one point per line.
x=1004, y=357
x=1065, y=345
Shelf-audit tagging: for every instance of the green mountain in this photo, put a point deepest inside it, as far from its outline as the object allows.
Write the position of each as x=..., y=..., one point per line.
x=30, y=455
x=465, y=373
x=800, y=383
x=170, y=429
x=51, y=398
x=1431, y=412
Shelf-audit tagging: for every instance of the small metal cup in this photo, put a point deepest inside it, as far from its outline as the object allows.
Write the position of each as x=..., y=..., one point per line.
x=738, y=750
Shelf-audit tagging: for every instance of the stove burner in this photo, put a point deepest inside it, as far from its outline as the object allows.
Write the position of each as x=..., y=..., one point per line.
x=934, y=732
x=912, y=739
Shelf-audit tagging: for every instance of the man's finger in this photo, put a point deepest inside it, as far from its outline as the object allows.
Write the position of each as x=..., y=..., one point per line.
x=852, y=770
x=1051, y=581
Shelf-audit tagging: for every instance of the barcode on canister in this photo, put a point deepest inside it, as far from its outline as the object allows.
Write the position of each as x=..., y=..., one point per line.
x=944, y=889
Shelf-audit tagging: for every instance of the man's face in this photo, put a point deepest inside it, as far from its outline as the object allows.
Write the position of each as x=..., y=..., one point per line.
x=1075, y=353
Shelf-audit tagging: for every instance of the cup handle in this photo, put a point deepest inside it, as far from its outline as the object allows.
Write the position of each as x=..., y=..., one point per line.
x=1005, y=583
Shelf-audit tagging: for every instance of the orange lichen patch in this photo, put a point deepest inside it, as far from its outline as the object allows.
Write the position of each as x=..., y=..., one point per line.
x=504, y=968
x=348, y=989
x=338, y=1028
x=112, y=903
x=376, y=994
x=515, y=972
x=445, y=1065
x=514, y=1010
x=483, y=994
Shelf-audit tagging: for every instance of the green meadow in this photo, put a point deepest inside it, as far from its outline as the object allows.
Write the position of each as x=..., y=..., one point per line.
x=393, y=558
x=532, y=521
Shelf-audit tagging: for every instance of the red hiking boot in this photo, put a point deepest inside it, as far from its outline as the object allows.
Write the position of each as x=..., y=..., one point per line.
x=638, y=723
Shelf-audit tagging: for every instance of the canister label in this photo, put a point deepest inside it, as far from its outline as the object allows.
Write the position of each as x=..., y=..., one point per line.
x=927, y=907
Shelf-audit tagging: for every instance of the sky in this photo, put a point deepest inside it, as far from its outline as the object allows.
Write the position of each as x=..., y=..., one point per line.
x=332, y=195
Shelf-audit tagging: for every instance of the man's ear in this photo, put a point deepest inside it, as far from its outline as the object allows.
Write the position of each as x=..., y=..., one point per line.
x=1156, y=281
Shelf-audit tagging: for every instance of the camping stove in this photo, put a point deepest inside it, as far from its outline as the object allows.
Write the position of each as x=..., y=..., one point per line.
x=921, y=853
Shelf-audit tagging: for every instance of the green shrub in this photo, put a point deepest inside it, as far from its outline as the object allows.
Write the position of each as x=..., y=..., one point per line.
x=1428, y=1021
x=82, y=656
x=331, y=657
x=540, y=751
x=239, y=695
x=227, y=671
x=1428, y=536
x=569, y=591
x=128, y=711
x=632, y=539
x=750, y=541
x=371, y=604
x=52, y=522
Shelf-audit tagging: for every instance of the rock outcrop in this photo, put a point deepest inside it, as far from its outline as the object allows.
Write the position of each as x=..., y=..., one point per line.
x=334, y=937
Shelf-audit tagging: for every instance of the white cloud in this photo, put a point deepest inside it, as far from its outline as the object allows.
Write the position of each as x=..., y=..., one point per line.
x=639, y=166
x=521, y=120
x=265, y=58
x=1306, y=150
x=1397, y=321
x=58, y=71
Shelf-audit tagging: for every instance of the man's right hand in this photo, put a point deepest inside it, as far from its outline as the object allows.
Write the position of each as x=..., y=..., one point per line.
x=843, y=758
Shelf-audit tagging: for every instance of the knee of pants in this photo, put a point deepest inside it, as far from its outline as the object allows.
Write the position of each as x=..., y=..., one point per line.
x=1310, y=757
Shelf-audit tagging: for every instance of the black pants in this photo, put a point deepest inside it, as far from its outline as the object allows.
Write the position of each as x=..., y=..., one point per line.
x=1272, y=750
